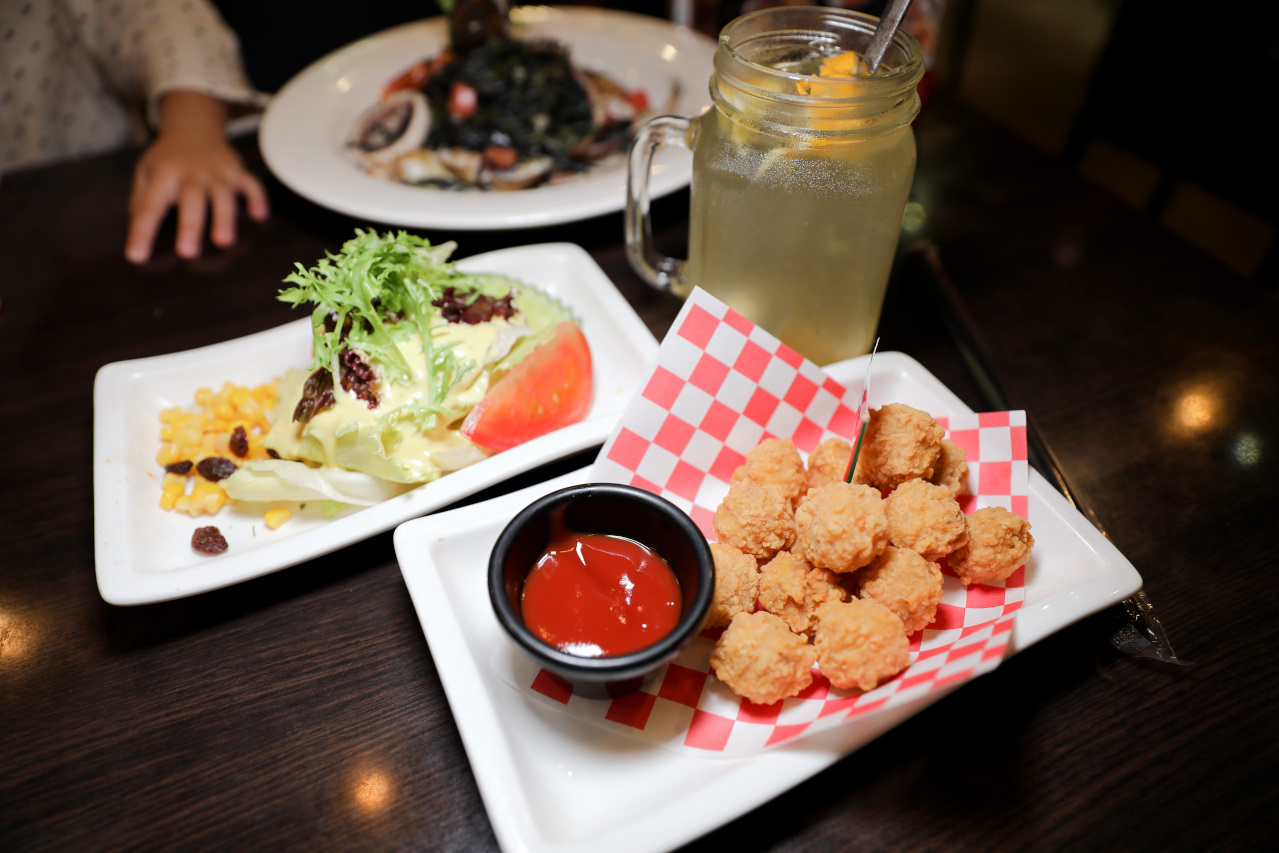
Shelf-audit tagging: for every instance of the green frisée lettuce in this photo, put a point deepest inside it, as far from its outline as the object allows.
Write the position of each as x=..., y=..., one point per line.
x=404, y=346
x=358, y=292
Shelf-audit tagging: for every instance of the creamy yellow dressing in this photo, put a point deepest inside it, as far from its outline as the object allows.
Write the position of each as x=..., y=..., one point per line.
x=351, y=435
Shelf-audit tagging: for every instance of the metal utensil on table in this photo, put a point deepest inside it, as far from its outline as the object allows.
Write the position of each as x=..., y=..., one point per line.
x=888, y=24
x=1139, y=632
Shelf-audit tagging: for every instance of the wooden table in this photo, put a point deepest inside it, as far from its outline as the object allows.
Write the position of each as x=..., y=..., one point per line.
x=249, y=718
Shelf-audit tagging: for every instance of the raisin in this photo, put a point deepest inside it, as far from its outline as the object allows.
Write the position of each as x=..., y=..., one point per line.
x=183, y=467
x=358, y=377
x=331, y=324
x=317, y=395
x=208, y=540
x=240, y=442
x=216, y=468
x=270, y=452
x=472, y=307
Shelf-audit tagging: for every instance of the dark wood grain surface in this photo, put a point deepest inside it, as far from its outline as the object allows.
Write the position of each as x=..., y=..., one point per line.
x=303, y=710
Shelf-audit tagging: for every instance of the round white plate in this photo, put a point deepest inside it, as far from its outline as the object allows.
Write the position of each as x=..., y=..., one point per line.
x=304, y=129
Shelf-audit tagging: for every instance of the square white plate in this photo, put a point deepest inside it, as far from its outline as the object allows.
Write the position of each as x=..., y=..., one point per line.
x=550, y=783
x=144, y=554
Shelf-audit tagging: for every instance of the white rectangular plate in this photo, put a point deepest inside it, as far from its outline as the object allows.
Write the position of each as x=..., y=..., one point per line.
x=144, y=554
x=551, y=784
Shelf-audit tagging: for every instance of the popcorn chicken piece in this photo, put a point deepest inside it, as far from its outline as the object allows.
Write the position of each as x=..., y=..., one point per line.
x=901, y=443
x=762, y=660
x=736, y=585
x=755, y=519
x=791, y=588
x=841, y=526
x=998, y=543
x=860, y=643
x=775, y=462
x=951, y=469
x=828, y=463
x=926, y=519
x=906, y=584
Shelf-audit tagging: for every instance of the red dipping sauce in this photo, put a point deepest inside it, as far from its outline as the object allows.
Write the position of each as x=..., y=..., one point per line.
x=596, y=595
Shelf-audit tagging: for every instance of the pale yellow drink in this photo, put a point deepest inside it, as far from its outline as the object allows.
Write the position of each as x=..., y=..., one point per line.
x=799, y=180
x=798, y=240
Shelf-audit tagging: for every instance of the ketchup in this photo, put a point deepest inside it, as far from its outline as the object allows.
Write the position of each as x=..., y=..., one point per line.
x=596, y=595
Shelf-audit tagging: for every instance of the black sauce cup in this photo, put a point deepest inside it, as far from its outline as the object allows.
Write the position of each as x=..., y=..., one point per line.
x=617, y=510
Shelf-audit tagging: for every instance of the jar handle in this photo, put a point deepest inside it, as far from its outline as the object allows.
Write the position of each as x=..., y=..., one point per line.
x=661, y=271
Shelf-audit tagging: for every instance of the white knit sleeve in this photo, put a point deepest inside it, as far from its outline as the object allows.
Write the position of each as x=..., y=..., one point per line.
x=150, y=47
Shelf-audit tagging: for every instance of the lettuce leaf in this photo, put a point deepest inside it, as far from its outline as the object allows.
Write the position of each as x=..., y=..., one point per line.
x=370, y=294
x=375, y=297
x=285, y=480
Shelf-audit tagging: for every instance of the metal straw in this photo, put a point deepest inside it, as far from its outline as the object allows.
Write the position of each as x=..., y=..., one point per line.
x=888, y=24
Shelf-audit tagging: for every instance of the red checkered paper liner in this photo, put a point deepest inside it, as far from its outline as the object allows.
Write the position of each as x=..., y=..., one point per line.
x=719, y=385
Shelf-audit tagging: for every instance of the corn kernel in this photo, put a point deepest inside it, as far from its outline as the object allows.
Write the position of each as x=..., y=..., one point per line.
x=276, y=516
x=207, y=497
x=188, y=434
x=173, y=486
x=198, y=435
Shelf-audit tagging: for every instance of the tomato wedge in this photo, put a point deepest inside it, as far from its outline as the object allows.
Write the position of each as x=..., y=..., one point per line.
x=463, y=100
x=413, y=78
x=638, y=99
x=549, y=389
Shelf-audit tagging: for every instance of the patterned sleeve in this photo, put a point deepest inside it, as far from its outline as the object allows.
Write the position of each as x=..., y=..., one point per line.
x=150, y=47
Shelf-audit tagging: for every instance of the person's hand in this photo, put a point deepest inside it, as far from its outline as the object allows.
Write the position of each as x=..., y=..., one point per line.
x=191, y=167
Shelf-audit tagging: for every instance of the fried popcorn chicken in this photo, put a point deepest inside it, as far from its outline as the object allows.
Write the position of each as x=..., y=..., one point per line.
x=755, y=519
x=828, y=463
x=951, y=469
x=901, y=443
x=759, y=658
x=736, y=585
x=998, y=543
x=925, y=519
x=860, y=643
x=814, y=553
x=775, y=462
x=791, y=588
x=906, y=584
x=841, y=527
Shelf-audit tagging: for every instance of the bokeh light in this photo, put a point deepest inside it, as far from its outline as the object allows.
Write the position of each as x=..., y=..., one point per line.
x=373, y=791
x=1247, y=449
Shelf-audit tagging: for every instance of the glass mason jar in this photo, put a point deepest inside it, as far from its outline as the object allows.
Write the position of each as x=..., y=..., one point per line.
x=799, y=181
